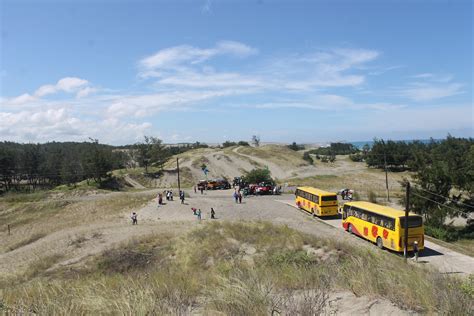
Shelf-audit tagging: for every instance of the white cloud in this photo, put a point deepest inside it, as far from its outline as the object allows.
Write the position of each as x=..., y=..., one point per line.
x=22, y=99
x=45, y=90
x=149, y=104
x=429, y=87
x=322, y=69
x=330, y=102
x=61, y=124
x=85, y=92
x=170, y=58
x=68, y=84
x=429, y=92
x=214, y=80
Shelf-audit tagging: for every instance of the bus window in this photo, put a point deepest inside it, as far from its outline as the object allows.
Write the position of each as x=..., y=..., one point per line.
x=329, y=198
x=413, y=221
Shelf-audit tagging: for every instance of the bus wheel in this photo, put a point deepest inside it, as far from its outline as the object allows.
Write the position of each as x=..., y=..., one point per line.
x=349, y=228
x=379, y=243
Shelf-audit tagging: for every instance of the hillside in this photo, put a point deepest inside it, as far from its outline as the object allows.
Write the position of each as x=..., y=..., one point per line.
x=286, y=166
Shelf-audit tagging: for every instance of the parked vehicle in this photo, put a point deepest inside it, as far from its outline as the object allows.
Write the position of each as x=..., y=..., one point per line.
x=202, y=184
x=264, y=188
x=222, y=184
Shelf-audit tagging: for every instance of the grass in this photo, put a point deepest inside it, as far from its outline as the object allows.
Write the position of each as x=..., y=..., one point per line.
x=363, y=184
x=280, y=155
x=234, y=269
x=29, y=240
x=30, y=221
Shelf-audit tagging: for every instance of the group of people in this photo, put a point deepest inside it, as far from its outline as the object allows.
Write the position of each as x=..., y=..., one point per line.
x=347, y=194
x=169, y=197
x=198, y=213
x=237, y=196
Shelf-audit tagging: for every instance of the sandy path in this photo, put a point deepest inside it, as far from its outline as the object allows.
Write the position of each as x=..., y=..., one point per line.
x=133, y=183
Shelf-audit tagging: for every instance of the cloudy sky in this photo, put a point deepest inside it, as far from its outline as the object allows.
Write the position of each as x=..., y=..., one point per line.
x=210, y=71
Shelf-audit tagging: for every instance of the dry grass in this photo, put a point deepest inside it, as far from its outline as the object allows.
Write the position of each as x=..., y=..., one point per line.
x=362, y=183
x=280, y=155
x=30, y=221
x=29, y=240
x=234, y=269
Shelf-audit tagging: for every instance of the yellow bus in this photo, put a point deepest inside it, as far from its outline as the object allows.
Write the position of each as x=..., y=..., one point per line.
x=382, y=225
x=317, y=202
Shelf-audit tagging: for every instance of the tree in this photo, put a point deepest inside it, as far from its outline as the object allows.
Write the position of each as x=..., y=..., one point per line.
x=308, y=158
x=150, y=151
x=98, y=162
x=257, y=176
x=256, y=140
x=443, y=180
x=295, y=146
x=228, y=144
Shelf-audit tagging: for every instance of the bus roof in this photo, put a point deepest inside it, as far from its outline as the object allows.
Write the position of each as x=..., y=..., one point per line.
x=316, y=191
x=379, y=209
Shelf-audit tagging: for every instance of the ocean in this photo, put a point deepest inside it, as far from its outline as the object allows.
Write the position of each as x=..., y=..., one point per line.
x=360, y=144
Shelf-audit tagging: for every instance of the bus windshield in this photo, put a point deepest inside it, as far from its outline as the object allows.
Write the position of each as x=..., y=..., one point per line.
x=413, y=221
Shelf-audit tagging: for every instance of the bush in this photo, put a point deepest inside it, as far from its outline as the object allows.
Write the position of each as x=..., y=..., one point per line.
x=258, y=175
x=307, y=157
x=228, y=144
x=243, y=143
x=446, y=233
x=356, y=157
x=336, y=149
x=295, y=146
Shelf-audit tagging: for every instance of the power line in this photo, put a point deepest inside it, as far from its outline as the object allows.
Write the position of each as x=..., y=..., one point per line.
x=443, y=205
x=445, y=197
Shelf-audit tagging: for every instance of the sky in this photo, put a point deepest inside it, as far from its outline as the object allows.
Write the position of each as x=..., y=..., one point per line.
x=212, y=71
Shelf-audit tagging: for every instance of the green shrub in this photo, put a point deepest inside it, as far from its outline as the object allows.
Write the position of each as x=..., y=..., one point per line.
x=356, y=157
x=307, y=157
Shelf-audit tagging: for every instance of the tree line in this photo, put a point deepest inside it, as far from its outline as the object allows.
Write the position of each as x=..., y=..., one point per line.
x=28, y=166
x=443, y=179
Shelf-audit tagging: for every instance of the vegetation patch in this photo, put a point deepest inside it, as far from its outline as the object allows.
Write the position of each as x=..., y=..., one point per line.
x=27, y=241
x=236, y=269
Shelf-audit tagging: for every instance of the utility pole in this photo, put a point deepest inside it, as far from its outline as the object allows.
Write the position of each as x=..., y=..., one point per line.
x=179, y=183
x=407, y=207
x=385, y=168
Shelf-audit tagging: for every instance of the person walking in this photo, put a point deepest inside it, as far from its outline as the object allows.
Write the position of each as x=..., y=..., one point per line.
x=213, y=213
x=202, y=189
x=160, y=199
x=134, y=218
x=198, y=213
x=415, y=250
x=236, y=196
x=195, y=190
x=240, y=197
x=181, y=196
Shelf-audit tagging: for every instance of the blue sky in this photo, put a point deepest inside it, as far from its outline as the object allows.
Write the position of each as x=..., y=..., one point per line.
x=210, y=71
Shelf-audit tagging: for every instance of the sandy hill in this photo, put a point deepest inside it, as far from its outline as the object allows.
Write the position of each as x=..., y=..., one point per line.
x=234, y=161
